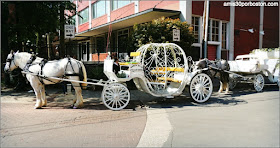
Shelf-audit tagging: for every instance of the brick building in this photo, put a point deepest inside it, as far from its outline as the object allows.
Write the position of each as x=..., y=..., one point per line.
x=231, y=30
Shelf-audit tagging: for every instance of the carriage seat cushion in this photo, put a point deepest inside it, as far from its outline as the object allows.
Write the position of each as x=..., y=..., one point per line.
x=169, y=79
x=162, y=69
x=135, y=54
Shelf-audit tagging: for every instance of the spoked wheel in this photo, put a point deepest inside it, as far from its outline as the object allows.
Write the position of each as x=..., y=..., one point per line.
x=115, y=96
x=201, y=87
x=258, y=82
x=232, y=83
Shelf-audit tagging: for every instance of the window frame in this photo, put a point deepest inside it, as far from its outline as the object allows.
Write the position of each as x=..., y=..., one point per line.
x=113, y=2
x=80, y=18
x=197, y=40
x=94, y=9
x=224, y=40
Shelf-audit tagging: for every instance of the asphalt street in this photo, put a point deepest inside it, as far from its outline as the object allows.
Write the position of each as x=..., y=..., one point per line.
x=242, y=118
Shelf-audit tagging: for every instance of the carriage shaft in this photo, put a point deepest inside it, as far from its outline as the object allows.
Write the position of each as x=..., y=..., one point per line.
x=68, y=80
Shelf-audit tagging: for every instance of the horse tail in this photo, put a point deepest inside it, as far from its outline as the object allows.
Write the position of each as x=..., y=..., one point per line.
x=84, y=85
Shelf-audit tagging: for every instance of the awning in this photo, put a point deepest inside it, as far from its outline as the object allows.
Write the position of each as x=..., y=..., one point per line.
x=138, y=18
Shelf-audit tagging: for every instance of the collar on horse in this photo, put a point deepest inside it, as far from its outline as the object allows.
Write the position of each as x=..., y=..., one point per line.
x=29, y=62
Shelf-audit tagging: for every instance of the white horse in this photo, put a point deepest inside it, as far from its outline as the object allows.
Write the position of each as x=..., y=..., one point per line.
x=67, y=68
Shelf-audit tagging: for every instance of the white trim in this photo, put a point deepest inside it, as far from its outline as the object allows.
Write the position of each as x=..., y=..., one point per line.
x=261, y=26
x=89, y=14
x=108, y=10
x=219, y=48
x=183, y=9
x=196, y=44
x=214, y=43
x=77, y=18
x=231, y=37
x=136, y=6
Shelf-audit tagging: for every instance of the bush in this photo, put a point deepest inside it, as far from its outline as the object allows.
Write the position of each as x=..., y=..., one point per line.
x=161, y=31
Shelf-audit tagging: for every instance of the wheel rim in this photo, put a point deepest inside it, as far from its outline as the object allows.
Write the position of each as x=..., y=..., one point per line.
x=115, y=96
x=201, y=87
x=259, y=82
x=232, y=83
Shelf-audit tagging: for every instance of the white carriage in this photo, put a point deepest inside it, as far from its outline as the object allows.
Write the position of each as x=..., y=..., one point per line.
x=160, y=69
x=254, y=69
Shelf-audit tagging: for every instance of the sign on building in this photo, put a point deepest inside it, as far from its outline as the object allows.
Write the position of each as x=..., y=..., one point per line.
x=69, y=31
x=176, y=35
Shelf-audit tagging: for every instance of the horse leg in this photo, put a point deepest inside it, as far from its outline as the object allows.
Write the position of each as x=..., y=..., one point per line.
x=221, y=87
x=37, y=87
x=44, y=99
x=78, y=95
x=227, y=87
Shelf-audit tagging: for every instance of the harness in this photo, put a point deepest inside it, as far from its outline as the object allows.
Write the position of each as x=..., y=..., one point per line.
x=42, y=77
x=29, y=63
x=11, y=60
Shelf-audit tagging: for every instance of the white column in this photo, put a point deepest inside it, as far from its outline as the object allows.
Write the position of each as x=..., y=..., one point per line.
x=231, y=32
x=186, y=11
x=136, y=6
x=261, y=26
x=77, y=18
x=108, y=10
x=90, y=13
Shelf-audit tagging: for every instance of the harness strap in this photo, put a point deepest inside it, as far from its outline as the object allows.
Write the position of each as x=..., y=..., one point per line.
x=29, y=62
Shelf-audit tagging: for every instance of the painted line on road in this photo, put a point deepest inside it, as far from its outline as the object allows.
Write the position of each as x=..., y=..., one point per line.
x=157, y=130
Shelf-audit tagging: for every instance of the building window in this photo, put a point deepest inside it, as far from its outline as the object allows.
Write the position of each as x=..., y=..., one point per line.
x=98, y=8
x=195, y=24
x=122, y=40
x=215, y=30
x=83, y=16
x=119, y=3
x=224, y=35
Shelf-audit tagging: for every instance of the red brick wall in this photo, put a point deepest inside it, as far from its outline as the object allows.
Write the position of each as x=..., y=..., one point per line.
x=246, y=18
x=102, y=56
x=271, y=27
x=99, y=21
x=84, y=27
x=122, y=12
x=82, y=5
x=197, y=7
x=216, y=9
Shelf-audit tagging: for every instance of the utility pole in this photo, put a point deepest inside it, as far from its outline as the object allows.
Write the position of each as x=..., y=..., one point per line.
x=62, y=37
x=205, y=27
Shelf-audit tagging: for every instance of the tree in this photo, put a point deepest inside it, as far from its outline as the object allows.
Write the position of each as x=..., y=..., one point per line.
x=23, y=21
x=161, y=31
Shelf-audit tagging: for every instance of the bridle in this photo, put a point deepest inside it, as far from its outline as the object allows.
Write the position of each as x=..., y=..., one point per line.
x=10, y=60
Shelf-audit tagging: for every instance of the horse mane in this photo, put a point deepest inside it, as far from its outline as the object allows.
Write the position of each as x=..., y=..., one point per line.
x=22, y=58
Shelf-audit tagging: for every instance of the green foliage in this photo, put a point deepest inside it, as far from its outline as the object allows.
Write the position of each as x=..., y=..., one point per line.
x=29, y=20
x=161, y=31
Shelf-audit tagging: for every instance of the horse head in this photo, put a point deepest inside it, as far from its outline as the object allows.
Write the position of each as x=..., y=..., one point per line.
x=10, y=62
x=222, y=64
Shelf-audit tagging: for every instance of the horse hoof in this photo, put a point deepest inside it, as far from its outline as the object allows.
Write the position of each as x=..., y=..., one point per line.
x=37, y=107
x=74, y=107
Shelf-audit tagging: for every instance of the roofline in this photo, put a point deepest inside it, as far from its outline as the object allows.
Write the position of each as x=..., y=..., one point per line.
x=129, y=17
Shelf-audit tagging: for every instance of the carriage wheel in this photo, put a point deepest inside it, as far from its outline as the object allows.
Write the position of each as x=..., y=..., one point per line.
x=201, y=87
x=232, y=83
x=258, y=82
x=115, y=96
